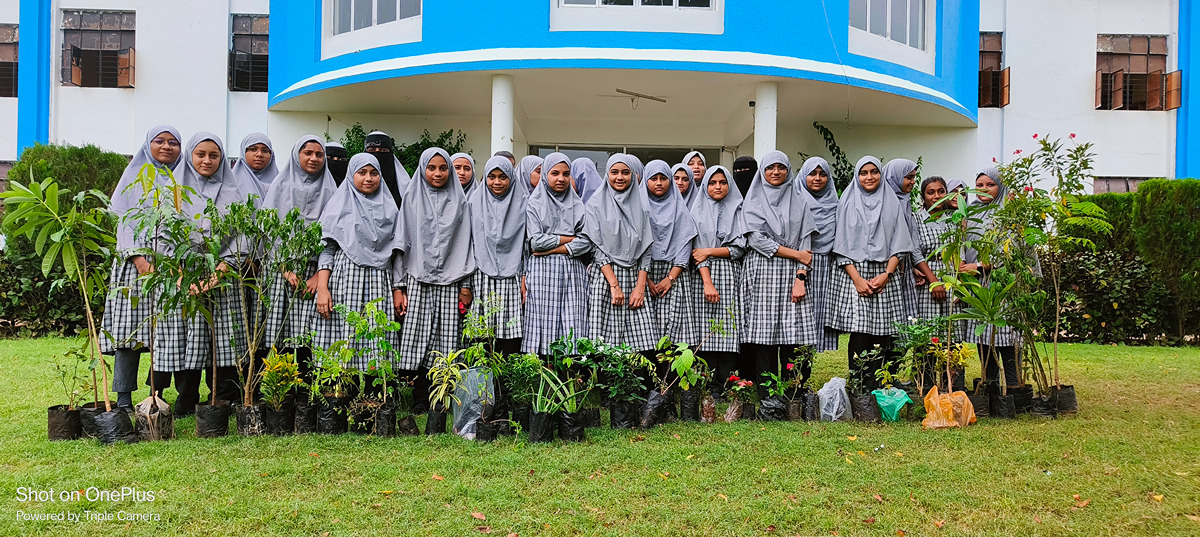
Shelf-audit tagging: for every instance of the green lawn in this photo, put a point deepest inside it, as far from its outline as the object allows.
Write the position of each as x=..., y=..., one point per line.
x=1132, y=455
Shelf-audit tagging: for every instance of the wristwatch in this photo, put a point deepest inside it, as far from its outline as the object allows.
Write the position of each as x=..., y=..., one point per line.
x=802, y=276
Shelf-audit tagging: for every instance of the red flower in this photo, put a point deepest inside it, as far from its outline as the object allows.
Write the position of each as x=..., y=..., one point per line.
x=1072, y=136
x=1017, y=152
x=1029, y=189
x=462, y=308
x=1035, y=136
x=790, y=366
x=935, y=340
x=733, y=378
x=993, y=159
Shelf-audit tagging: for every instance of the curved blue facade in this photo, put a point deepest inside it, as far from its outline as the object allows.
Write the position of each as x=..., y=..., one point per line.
x=773, y=38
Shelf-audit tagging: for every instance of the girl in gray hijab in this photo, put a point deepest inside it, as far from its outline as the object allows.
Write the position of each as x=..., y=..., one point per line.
x=498, y=233
x=696, y=165
x=900, y=175
x=464, y=170
x=438, y=260
x=991, y=195
x=617, y=221
x=673, y=229
x=127, y=313
x=184, y=348
x=719, y=247
x=529, y=171
x=555, y=274
x=361, y=262
x=779, y=229
x=681, y=176
x=870, y=238
x=255, y=168
x=815, y=185
x=587, y=179
x=305, y=184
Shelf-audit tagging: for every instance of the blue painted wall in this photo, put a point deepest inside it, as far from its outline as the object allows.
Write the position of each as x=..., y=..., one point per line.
x=33, y=84
x=778, y=27
x=1187, y=127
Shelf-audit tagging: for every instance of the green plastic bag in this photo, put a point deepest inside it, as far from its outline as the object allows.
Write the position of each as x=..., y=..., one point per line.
x=891, y=400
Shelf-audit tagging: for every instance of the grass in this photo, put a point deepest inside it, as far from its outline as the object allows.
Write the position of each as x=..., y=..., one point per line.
x=1136, y=439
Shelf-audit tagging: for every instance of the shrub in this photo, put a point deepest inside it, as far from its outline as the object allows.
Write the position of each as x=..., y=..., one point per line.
x=1166, y=215
x=74, y=168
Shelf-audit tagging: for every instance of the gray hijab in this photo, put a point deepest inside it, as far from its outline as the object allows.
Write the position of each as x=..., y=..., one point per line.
x=618, y=223
x=221, y=188
x=688, y=158
x=718, y=222
x=470, y=184
x=125, y=198
x=693, y=186
x=437, y=227
x=952, y=184
x=255, y=182
x=524, y=171
x=893, y=173
x=498, y=223
x=587, y=178
x=634, y=164
x=367, y=227
x=823, y=204
x=295, y=188
x=549, y=212
x=869, y=223
x=779, y=211
x=671, y=223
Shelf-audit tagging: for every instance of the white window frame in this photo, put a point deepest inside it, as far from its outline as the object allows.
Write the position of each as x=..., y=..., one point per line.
x=397, y=32
x=637, y=18
x=864, y=43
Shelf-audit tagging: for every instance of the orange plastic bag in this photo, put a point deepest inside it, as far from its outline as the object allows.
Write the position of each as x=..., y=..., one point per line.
x=946, y=410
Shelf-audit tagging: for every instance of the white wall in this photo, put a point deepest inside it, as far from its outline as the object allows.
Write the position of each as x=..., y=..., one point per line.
x=1051, y=49
x=180, y=81
x=285, y=128
x=10, y=13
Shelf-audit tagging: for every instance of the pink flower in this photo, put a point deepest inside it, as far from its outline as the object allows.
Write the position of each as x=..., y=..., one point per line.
x=1017, y=152
x=790, y=366
x=935, y=340
x=1035, y=136
x=993, y=159
x=1072, y=136
x=1029, y=189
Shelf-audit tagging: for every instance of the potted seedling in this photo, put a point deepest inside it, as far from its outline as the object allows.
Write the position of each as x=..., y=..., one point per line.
x=407, y=424
x=862, y=402
x=444, y=376
x=570, y=380
x=333, y=382
x=67, y=233
x=476, y=392
x=374, y=409
x=63, y=420
x=740, y=393
x=278, y=378
x=986, y=305
x=521, y=373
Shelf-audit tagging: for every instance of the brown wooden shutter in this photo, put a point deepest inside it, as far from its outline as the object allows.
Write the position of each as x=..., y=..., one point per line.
x=1118, y=90
x=76, y=66
x=1004, y=81
x=1099, y=89
x=1154, y=91
x=125, y=68
x=1174, y=90
x=985, y=87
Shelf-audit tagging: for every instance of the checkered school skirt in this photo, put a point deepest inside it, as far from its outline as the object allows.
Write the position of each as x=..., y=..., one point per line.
x=875, y=314
x=354, y=286
x=619, y=324
x=180, y=343
x=503, y=295
x=675, y=312
x=432, y=325
x=126, y=323
x=229, y=327
x=726, y=277
x=556, y=301
x=289, y=314
x=820, y=278
x=771, y=318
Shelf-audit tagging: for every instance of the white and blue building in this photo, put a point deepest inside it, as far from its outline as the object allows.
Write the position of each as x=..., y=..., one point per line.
x=956, y=82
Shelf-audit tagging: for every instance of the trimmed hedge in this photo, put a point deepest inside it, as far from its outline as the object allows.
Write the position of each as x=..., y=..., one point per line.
x=30, y=303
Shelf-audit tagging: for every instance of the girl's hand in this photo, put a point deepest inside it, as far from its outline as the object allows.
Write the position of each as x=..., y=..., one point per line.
x=324, y=302
x=292, y=279
x=310, y=285
x=464, y=296
x=797, y=291
x=919, y=277
x=863, y=287
x=618, y=296
x=878, y=282
x=637, y=298
x=938, y=291
x=524, y=291
x=399, y=301
x=700, y=254
x=710, y=294
x=143, y=267
x=805, y=256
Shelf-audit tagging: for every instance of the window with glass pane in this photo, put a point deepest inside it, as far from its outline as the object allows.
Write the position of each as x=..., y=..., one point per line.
x=248, y=56
x=858, y=14
x=902, y=21
x=349, y=15
x=9, y=36
x=98, y=49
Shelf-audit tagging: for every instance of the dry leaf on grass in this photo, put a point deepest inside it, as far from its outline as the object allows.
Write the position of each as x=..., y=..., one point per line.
x=438, y=477
x=483, y=529
x=479, y=516
x=878, y=498
x=869, y=521
x=939, y=523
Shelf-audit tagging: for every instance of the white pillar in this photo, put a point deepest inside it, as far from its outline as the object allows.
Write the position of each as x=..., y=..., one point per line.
x=766, y=111
x=503, y=104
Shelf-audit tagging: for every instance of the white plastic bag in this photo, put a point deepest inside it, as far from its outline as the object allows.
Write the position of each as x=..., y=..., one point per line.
x=474, y=389
x=835, y=402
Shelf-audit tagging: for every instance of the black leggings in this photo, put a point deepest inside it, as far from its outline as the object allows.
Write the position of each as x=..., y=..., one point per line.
x=1006, y=354
x=722, y=364
x=863, y=371
x=771, y=359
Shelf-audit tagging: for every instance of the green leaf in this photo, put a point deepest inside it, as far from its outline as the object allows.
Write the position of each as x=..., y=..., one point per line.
x=49, y=258
x=70, y=261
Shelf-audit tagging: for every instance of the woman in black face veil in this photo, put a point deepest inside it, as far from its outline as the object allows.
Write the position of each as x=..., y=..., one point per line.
x=379, y=144
x=336, y=159
x=744, y=169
